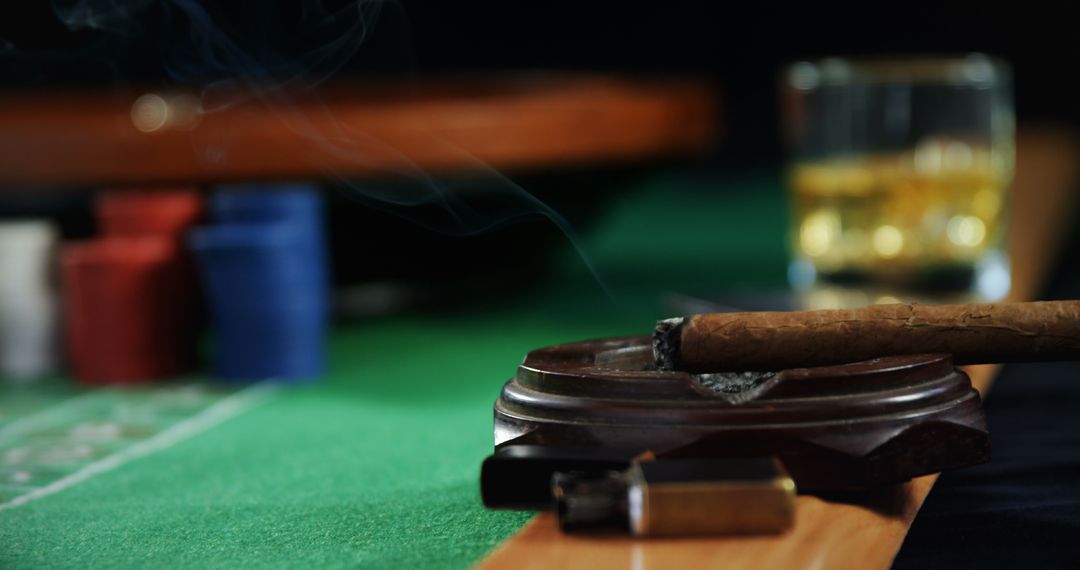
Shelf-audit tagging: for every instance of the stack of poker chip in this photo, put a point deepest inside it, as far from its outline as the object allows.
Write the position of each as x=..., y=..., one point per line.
x=28, y=312
x=130, y=295
x=264, y=268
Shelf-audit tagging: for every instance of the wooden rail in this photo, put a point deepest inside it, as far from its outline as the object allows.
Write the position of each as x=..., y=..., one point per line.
x=389, y=128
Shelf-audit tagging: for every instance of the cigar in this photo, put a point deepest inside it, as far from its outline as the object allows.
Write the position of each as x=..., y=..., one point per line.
x=972, y=334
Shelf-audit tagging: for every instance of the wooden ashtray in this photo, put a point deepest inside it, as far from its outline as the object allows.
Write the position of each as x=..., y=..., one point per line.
x=846, y=427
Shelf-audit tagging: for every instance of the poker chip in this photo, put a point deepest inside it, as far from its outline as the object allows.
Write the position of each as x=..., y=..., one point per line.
x=128, y=309
x=297, y=204
x=268, y=300
x=28, y=311
x=148, y=212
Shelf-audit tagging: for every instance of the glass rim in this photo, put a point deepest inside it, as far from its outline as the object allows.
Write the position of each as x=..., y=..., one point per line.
x=974, y=69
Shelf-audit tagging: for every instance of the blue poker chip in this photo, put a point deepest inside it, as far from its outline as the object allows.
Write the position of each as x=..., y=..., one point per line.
x=268, y=298
x=296, y=204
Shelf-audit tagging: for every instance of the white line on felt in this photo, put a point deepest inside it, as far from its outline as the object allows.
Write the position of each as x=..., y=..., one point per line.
x=221, y=411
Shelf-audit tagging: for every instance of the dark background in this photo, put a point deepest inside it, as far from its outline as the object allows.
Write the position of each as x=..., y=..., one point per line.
x=75, y=42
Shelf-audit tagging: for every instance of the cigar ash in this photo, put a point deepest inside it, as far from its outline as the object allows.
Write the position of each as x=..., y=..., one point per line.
x=735, y=387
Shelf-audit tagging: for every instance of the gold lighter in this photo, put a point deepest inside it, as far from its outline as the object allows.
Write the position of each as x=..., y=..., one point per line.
x=679, y=497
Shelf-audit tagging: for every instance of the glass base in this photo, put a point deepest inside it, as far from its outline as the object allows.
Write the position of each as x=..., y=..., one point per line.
x=987, y=280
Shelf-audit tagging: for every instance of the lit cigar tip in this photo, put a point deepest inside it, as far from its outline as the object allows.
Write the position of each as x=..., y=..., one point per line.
x=666, y=342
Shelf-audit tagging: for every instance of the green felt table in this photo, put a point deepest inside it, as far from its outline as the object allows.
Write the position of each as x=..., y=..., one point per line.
x=377, y=464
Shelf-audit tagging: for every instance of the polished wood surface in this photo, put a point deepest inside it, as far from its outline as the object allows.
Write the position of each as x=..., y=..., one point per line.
x=867, y=532
x=396, y=128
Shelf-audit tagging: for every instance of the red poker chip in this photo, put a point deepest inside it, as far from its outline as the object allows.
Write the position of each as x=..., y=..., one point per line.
x=129, y=308
x=148, y=212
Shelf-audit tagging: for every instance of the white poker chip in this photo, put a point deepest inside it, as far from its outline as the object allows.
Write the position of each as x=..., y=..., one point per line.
x=28, y=306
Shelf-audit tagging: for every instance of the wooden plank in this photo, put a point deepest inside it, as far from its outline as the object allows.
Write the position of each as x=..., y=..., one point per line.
x=830, y=534
x=403, y=128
